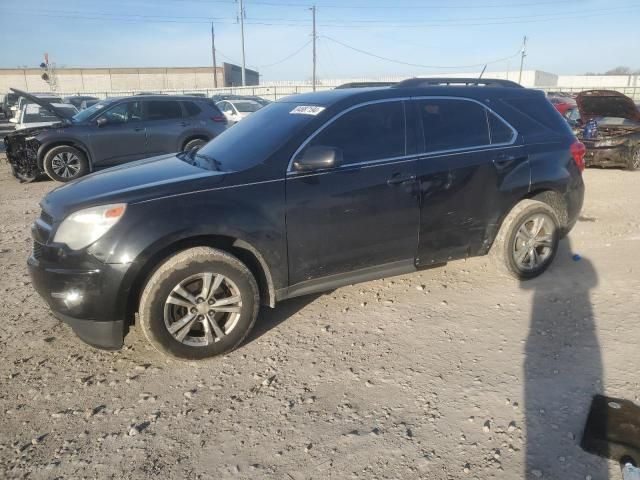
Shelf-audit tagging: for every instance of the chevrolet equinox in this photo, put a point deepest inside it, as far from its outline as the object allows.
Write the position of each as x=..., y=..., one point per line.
x=310, y=193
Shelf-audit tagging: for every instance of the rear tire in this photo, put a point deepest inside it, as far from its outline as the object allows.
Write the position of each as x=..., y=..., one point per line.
x=634, y=160
x=528, y=240
x=65, y=163
x=199, y=303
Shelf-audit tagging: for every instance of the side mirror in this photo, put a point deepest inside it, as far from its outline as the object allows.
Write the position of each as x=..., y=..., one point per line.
x=101, y=122
x=317, y=158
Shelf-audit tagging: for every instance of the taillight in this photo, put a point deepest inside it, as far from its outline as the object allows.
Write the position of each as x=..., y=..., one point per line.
x=219, y=118
x=578, y=150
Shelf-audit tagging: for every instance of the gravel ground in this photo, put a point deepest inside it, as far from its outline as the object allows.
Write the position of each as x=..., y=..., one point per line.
x=455, y=372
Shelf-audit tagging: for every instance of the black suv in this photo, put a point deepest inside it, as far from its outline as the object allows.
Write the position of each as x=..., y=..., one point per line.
x=310, y=193
x=111, y=132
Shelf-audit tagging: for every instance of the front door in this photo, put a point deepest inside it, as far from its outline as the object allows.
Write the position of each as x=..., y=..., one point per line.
x=471, y=157
x=121, y=138
x=362, y=214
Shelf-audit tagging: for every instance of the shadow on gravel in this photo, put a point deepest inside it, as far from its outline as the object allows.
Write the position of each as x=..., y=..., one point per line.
x=270, y=318
x=562, y=370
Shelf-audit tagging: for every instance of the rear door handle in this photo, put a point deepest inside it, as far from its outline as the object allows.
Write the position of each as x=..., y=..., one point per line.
x=398, y=179
x=184, y=124
x=138, y=129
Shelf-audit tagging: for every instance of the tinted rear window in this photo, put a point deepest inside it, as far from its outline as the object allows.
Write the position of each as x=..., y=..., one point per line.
x=452, y=124
x=163, y=110
x=541, y=111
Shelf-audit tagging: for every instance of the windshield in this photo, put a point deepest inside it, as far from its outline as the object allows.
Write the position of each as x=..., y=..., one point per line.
x=87, y=113
x=255, y=138
x=247, y=106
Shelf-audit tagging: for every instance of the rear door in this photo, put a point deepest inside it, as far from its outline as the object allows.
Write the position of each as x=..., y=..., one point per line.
x=121, y=138
x=466, y=175
x=165, y=126
x=362, y=214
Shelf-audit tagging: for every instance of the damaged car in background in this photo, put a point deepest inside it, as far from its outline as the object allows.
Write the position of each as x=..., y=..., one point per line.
x=109, y=133
x=608, y=124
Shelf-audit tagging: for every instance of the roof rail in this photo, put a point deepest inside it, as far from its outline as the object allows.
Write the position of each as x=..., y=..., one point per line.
x=464, y=82
x=365, y=85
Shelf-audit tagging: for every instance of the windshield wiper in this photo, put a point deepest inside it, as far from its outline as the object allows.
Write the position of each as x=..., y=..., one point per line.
x=212, y=162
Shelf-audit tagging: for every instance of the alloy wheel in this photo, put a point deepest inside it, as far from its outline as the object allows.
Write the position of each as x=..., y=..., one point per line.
x=533, y=244
x=65, y=164
x=202, y=309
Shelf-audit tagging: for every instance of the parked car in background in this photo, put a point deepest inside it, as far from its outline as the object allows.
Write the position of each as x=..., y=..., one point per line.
x=76, y=100
x=33, y=115
x=88, y=103
x=22, y=100
x=111, y=132
x=9, y=100
x=562, y=104
x=262, y=101
x=615, y=142
x=314, y=192
x=236, y=110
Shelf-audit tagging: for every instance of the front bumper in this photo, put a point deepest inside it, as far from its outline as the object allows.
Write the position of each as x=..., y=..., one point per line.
x=86, y=296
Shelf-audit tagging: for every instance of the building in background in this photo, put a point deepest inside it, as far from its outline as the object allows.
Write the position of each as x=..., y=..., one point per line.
x=72, y=80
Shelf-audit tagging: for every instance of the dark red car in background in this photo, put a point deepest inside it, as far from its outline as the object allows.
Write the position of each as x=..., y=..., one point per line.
x=562, y=103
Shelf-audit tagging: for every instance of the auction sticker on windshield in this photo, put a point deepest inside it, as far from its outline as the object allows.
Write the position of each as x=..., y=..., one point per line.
x=307, y=109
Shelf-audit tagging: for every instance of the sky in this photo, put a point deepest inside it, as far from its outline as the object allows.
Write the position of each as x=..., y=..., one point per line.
x=413, y=37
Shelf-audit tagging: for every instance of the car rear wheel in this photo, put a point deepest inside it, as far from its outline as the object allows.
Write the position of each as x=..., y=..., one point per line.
x=634, y=160
x=65, y=163
x=195, y=143
x=200, y=303
x=528, y=239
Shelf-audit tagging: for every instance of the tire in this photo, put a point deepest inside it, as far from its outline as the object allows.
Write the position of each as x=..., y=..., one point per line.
x=195, y=143
x=65, y=163
x=203, y=338
x=633, y=163
x=516, y=235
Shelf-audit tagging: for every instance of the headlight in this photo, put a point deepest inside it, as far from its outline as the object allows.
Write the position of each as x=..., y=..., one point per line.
x=84, y=227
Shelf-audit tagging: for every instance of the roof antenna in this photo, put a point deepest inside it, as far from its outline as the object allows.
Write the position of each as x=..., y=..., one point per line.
x=482, y=72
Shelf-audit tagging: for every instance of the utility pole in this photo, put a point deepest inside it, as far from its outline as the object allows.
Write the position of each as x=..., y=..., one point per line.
x=213, y=54
x=244, y=77
x=313, y=77
x=524, y=54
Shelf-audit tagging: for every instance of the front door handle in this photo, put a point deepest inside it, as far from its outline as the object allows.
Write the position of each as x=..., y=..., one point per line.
x=398, y=179
x=138, y=129
x=184, y=124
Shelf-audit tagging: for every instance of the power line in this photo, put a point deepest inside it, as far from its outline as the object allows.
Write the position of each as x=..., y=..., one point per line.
x=287, y=57
x=364, y=52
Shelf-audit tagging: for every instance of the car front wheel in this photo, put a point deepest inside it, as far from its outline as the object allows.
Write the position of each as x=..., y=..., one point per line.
x=199, y=303
x=65, y=163
x=528, y=239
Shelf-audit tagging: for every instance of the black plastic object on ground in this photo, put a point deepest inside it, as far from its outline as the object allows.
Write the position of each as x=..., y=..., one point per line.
x=613, y=430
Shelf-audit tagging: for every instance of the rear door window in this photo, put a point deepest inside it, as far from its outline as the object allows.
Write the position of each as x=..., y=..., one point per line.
x=163, y=110
x=450, y=124
x=370, y=132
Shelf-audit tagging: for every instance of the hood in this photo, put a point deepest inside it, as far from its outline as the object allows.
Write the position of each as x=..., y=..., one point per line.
x=130, y=183
x=44, y=103
x=606, y=103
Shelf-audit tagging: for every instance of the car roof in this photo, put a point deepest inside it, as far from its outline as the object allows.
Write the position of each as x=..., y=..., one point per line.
x=327, y=98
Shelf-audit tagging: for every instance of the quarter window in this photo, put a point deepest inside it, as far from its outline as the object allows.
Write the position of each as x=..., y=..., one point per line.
x=500, y=131
x=192, y=109
x=370, y=132
x=163, y=110
x=453, y=124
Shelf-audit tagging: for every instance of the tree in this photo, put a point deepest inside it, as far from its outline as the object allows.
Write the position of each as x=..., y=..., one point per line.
x=621, y=70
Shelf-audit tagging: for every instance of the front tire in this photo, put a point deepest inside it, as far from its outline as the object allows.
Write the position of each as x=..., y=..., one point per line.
x=199, y=303
x=528, y=239
x=65, y=163
x=196, y=143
